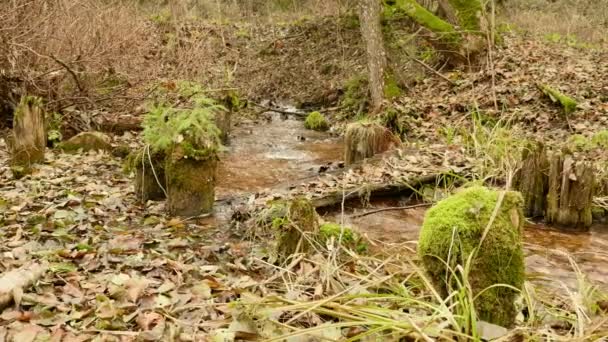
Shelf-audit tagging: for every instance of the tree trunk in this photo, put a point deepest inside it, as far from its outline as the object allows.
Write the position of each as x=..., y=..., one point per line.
x=571, y=190
x=29, y=135
x=150, y=182
x=371, y=30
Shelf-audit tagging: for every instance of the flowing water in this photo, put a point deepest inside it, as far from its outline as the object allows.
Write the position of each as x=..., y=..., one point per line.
x=280, y=150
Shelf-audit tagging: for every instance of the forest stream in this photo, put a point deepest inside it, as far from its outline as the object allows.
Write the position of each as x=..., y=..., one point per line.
x=262, y=156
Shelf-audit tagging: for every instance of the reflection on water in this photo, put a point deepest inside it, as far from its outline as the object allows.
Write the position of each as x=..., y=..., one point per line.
x=547, y=251
x=260, y=156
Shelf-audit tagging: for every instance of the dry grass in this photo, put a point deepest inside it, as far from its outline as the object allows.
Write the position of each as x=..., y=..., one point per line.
x=581, y=20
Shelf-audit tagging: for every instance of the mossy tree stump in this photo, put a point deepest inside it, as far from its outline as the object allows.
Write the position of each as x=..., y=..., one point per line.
x=294, y=225
x=28, y=141
x=570, y=193
x=365, y=139
x=190, y=184
x=452, y=235
x=533, y=181
x=149, y=168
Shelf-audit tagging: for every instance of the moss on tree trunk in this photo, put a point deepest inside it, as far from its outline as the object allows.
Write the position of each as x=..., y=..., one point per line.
x=190, y=186
x=468, y=13
x=28, y=141
x=222, y=120
x=296, y=230
x=571, y=190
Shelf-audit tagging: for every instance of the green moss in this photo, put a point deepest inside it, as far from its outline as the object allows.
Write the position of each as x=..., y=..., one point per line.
x=451, y=233
x=190, y=185
x=391, y=88
x=580, y=143
x=468, y=13
x=316, y=121
x=330, y=230
x=600, y=139
x=355, y=96
x=293, y=223
x=568, y=104
x=425, y=18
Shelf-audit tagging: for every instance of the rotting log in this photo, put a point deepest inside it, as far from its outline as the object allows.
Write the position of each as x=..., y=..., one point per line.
x=370, y=191
x=366, y=139
x=570, y=194
x=190, y=186
x=28, y=141
x=19, y=280
x=532, y=180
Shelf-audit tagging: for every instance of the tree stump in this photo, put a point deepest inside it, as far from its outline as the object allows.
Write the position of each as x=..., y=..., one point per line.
x=149, y=168
x=570, y=193
x=190, y=186
x=455, y=234
x=222, y=119
x=533, y=180
x=365, y=139
x=28, y=142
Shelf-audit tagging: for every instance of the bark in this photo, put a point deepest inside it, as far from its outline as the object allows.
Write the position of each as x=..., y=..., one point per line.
x=28, y=141
x=533, y=180
x=371, y=30
x=19, y=279
x=571, y=190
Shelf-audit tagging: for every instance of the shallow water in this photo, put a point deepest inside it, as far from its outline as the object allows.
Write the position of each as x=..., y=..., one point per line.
x=261, y=156
x=547, y=250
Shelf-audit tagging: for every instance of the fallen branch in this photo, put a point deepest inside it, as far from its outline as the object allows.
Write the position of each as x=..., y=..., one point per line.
x=421, y=205
x=277, y=110
x=19, y=279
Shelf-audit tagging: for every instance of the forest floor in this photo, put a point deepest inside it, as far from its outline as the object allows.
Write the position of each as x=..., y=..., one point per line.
x=122, y=270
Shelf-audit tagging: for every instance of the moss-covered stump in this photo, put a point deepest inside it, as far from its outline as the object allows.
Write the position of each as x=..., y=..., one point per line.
x=316, y=122
x=87, y=141
x=28, y=140
x=365, y=139
x=532, y=180
x=570, y=195
x=452, y=232
x=344, y=235
x=149, y=169
x=190, y=186
x=294, y=224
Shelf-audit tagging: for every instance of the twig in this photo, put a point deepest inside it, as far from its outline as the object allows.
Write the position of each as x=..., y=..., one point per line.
x=67, y=67
x=421, y=205
x=430, y=68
